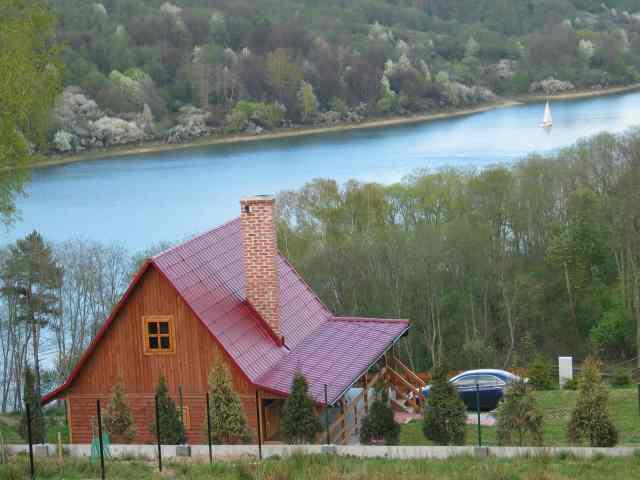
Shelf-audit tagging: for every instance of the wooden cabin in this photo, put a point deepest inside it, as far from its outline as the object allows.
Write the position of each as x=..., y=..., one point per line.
x=228, y=295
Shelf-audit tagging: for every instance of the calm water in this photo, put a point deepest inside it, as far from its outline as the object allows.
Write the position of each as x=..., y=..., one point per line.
x=140, y=200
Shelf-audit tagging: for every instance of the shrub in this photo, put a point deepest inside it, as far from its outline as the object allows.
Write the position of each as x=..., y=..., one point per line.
x=171, y=427
x=477, y=353
x=571, y=384
x=268, y=115
x=32, y=398
x=299, y=422
x=379, y=423
x=612, y=336
x=118, y=420
x=518, y=416
x=621, y=378
x=541, y=374
x=590, y=418
x=228, y=420
x=445, y=414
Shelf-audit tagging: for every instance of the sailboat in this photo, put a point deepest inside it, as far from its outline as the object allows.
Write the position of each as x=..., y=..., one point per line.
x=547, y=120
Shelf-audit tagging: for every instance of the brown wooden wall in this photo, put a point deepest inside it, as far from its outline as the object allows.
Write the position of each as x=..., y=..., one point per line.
x=119, y=355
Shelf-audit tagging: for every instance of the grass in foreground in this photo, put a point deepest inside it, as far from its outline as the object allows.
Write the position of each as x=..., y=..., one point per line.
x=557, y=406
x=324, y=467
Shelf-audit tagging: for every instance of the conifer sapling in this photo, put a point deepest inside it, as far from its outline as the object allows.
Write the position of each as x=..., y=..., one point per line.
x=590, y=419
x=228, y=420
x=171, y=427
x=445, y=414
x=518, y=417
x=118, y=420
x=379, y=423
x=299, y=422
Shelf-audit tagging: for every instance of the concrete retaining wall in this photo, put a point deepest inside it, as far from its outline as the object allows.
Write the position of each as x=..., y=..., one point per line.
x=362, y=451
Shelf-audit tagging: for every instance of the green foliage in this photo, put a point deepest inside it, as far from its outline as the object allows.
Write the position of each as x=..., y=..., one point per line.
x=612, y=335
x=228, y=420
x=621, y=378
x=590, y=419
x=299, y=423
x=171, y=428
x=379, y=424
x=571, y=384
x=518, y=417
x=477, y=353
x=118, y=420
x=445, y=414
x=30, y=74
x=267, y=115
x=541, y=373
x=32, y=398
x=337, y=104
x=307, y=102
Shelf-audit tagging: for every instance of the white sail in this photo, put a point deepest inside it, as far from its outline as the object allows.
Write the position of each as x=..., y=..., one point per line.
x=547, y=120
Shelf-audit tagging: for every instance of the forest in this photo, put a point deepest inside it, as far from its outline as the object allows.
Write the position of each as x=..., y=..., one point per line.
x=150, y=69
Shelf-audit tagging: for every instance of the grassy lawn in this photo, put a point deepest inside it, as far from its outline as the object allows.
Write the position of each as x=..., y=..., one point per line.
x=557, y=406
x=324, y=467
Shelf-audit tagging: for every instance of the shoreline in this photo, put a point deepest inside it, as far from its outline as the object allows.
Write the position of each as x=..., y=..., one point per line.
x=158, y=147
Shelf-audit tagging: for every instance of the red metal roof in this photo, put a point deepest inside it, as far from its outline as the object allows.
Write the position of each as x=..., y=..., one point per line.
x=337, y=353
x=208, y=273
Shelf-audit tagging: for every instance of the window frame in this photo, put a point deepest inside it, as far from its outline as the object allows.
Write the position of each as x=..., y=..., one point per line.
x=146, y=320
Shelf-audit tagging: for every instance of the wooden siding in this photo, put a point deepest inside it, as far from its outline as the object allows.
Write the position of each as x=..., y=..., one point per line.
x=120, y=356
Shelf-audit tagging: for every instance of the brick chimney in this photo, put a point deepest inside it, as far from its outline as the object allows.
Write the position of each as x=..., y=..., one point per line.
x=260, y=256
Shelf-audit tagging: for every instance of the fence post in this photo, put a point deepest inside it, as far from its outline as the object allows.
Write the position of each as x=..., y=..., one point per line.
x=29, y=438
x=100, y=439
x=60, y=451
x=3, y=455
x=326, y=414
x=209, y=429
x=158, y=435
x=259, y=425
x=478, y=412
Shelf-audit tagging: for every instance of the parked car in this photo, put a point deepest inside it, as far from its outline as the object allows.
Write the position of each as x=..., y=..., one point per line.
x=491, y=383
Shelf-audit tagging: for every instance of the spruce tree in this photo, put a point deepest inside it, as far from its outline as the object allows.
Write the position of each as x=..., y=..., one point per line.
x=445, y=414
x=299, y=422
x=171, y=427
x=518, y=416
x=228, y=420
x=32, y=398
x=590, y=418
x=118, y=420
x=379, y=423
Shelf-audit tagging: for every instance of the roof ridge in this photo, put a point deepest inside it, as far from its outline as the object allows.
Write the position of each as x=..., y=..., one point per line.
x=193, y=238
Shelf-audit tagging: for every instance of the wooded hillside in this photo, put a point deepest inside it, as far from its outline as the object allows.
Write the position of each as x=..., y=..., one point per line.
x=192, y=67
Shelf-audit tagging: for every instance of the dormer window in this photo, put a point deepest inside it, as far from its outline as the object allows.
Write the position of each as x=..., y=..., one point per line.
x=158, y=334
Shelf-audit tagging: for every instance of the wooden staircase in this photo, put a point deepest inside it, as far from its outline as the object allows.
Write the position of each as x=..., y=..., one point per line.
x=407, y=385
x=408, y=398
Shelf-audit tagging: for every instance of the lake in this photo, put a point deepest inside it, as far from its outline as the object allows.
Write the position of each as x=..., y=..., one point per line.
x=143, y=199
